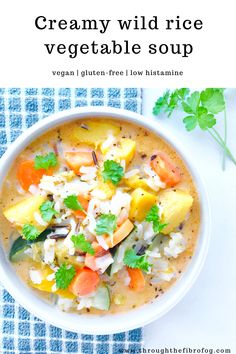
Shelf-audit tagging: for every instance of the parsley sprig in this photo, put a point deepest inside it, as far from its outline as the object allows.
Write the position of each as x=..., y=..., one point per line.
x=81, y=243
x=64, y=276
x=153, y=216
x=72, y=202
x=45, y=161
x=30, y=232
x=106, y=224
x=112, y=171
x=132, y=260
x=201, y=108
x=47, y=210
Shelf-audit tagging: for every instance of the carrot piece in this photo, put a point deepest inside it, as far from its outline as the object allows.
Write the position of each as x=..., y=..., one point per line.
x=90, y=260
x=122, y=232
x=165, y=169
x=76, y=159
x=84, y=202
x=27, y=174
x=137, y=280
x=84, y=283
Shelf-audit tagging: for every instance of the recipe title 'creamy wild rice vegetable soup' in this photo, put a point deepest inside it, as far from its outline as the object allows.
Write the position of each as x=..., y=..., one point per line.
x=99, y=216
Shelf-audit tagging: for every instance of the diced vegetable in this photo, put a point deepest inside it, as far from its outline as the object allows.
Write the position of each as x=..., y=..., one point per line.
x=20, y=245
x=127, y=243
x=62, y=256
x=175, y=206
x=136, y=182
x=23, y=213
x=76, y=159
x=47, y=285
x=126, y=150
x=165, y=169
x=81, y=214
x=137, y=280
x=85, y=282
x=95, y=133
x=28, y=175
x=141, y=203
x=102, y=299
x=90, y=260
x=120, y=234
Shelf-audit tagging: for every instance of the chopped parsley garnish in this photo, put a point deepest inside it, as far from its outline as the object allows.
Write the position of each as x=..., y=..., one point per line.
x=153, y=216
x=64, y=276
x=112, y=171
x=30, y=232
x=47, y=210
x=45, y=161
x=106, y=224
x=132, y=260
x=72, y=202
x=81, y=243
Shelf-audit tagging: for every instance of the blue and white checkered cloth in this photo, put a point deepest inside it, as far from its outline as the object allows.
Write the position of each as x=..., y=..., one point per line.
x=20, y=331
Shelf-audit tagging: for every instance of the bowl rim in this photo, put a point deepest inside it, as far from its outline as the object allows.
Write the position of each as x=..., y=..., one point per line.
x=111, y=323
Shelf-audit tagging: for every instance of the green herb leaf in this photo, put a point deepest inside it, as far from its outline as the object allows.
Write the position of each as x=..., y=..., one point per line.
x=72, y=202
x=205, y=120
x=190, y=122
x=47, y=211
x=64, y=276
x=132, y=260
x=112, y=171
x=161, y=104
x=45, y=161
x=153, y=216
x=192, y=102
x=170, y=101
x=106, y=224
x=213, y=100
x=81, y=243
x=30, y=232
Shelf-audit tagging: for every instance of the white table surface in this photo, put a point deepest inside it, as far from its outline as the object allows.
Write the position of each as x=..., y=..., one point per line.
x=206, y=316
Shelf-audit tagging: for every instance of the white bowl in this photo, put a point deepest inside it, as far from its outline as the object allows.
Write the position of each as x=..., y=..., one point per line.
x=111, y=323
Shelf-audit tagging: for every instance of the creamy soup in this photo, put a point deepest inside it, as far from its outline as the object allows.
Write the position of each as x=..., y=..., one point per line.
x=99, y=216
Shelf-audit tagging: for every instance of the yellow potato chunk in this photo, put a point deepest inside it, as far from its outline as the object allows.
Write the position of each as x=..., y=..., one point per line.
x=136, y=182
x=175, y=206
x=46, y=285
x=23, y=212
x=141, y=203
x=96, y=133
x=126, y=150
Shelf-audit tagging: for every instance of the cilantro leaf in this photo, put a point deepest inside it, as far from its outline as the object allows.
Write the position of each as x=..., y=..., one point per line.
x=112, y=171
x=80, y=242
x=72, y=202
x=64, y=276
x=213, y=100
x=192, y=102
x=161, y=104
x=47, y=211
x=190, y=122
x=153, y=216
x=170, y=101
x=45, y=161
x=106, y=224
x=30, y=232
x=132, y=260
x=205, y=120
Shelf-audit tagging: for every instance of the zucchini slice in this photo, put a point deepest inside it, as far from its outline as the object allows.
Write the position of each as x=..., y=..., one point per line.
x=20, y=245
x=102, y=299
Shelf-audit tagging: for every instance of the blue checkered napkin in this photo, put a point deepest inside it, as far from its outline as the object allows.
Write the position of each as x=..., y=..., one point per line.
x=21, y=332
